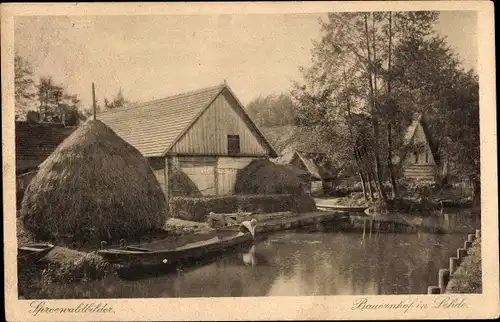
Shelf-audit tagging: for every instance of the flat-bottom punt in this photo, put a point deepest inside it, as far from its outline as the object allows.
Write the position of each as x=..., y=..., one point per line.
x=165, y=252
x=33, y=252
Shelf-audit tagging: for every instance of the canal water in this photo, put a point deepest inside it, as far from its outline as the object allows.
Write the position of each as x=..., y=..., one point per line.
x=295, y=263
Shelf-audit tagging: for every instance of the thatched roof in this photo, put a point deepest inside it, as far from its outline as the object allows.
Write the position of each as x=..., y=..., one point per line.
x=419, y=119
x=294, y=137
x=35, y=142
x=94, y=186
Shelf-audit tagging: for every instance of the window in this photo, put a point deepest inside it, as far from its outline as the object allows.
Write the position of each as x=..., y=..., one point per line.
x=233, y=144
x=426, y=157
x=416, y=157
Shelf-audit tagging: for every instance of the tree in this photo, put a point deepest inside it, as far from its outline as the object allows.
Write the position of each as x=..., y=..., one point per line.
x=24, y=86
x=50, y=98
x=70, y=110
x=386, y=66
x=429, y=74
x=272, y=110
x=118, y=102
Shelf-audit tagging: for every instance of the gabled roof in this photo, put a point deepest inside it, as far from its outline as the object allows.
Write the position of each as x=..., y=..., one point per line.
x=154, y=127
x=287, y=137
x=418, y=119
x=35, y=142
x=298, y=172
x=314, y=170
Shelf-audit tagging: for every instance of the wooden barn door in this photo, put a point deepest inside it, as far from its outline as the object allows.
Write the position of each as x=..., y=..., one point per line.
x=226, y=179
x=202, y=172
x=227, y=171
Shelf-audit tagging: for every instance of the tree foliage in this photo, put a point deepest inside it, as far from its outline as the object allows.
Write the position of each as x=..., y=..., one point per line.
x=49, y=100
x=272, y=110
x=371, y=72
x=24, y=86
x=117, y=102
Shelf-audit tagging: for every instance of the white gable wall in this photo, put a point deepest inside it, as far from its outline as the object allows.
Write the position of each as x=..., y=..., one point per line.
x=419, y=138
x=208, y=135
x=419, y=164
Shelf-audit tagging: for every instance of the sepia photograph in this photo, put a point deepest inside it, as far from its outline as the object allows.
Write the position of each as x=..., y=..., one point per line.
x=234, y=155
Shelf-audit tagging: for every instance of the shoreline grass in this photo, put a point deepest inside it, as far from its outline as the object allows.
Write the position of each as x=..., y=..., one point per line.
x=467, y=279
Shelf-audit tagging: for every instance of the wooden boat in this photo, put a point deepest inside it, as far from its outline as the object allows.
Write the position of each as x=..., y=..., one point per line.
x=33, y=252
x=327, y=207
x=169, y=252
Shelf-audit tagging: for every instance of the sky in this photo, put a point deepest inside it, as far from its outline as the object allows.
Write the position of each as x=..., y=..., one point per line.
x=151, y=57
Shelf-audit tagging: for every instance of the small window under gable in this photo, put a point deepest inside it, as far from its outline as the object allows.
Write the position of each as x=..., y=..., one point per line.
x=426, y=157
x=233, y=144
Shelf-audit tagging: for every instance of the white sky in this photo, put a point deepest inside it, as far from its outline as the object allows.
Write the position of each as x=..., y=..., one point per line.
x=156, y=56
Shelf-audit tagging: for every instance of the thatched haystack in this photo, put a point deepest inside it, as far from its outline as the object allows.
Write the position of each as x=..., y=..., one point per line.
x=94, y=186
x=266, y=178
x=183, y=186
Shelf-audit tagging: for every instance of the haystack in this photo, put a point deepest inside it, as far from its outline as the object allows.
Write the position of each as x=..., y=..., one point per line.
x=183, y=186
x=94, y=186
x=263, y=177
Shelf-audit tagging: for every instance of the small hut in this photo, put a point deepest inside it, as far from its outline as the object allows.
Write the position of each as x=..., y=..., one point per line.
x=94, y=186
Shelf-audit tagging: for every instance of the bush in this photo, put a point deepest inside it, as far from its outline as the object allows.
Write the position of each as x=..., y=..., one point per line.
x=87, y=267
x=417, y=188
x=467, y=279
x=197, y=209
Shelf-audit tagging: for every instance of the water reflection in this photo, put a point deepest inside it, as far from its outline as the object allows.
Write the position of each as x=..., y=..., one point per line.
x=293, y=263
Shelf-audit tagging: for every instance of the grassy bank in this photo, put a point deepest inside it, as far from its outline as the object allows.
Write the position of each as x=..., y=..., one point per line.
x=423, y=205
x=61, y=265
x=79, y=263
x=468, y=277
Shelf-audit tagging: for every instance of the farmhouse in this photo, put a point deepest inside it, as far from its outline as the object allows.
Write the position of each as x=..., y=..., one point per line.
x=300, y=151
x=36, y=141
x=319, y=176
x=419, y=155
x=205, y=134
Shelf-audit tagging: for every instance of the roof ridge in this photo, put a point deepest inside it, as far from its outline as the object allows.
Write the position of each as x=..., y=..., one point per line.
x=170, y=97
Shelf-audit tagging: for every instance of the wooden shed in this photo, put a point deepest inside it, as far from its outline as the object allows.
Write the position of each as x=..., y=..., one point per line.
x=207, y=134
x=320, y=176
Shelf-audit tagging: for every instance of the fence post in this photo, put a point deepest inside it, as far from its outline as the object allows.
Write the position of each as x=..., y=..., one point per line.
x=444, y=278
x=478, y=233
x=433, y=290
x=461, y=253
x=453, y=264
